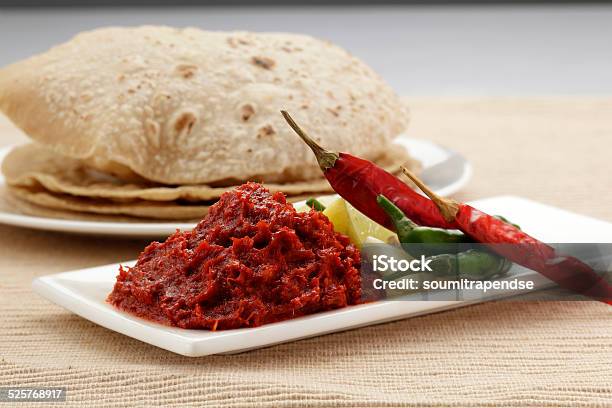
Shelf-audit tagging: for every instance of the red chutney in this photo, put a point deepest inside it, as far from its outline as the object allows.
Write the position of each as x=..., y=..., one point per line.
x=252, y=260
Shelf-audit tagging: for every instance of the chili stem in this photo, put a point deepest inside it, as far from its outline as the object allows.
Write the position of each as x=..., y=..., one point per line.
x=325, y=158
x=449, y=208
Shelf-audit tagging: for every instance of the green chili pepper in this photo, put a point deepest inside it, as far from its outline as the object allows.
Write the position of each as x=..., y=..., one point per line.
x=315, y=204
x=410, y=233
x=471, y=264
x=447, y=260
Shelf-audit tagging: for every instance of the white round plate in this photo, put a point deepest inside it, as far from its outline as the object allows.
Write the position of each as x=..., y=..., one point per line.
x=444, y=170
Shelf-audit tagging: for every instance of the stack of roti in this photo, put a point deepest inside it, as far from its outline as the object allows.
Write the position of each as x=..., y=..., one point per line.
x=157, y=122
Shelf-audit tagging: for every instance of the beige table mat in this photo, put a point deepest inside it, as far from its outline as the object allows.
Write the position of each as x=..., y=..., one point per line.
x=557, y=151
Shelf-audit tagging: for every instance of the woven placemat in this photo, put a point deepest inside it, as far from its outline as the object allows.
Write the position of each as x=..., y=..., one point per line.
x=520, y=354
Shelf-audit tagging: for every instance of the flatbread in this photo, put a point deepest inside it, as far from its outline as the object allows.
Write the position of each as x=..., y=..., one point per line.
x=186, y=106
x=142, y=209
x=44, y=203
x=34, y=166
x=13, y=204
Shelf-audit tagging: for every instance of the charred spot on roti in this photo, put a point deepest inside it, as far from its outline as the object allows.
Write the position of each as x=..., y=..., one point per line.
x=182, y=123
x=335, y=111
x=263, y=62
x=186, y=70
x=185, y=122
x=246, y=112
x=234, y=42
x=265, y=131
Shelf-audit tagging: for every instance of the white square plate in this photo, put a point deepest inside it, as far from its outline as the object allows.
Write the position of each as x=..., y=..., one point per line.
x=84, y=292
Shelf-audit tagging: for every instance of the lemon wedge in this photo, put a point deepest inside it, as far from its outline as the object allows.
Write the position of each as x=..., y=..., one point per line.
x=361, y=227
x=337, y=214
x=349, y=221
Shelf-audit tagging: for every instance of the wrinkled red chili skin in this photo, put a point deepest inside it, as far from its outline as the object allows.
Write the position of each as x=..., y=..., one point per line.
x=360, y=181
x=252, y=260
x=567, y=271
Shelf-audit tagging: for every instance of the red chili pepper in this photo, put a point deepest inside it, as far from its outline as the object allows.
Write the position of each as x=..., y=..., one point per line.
x=567, y=271
x=359, y=182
